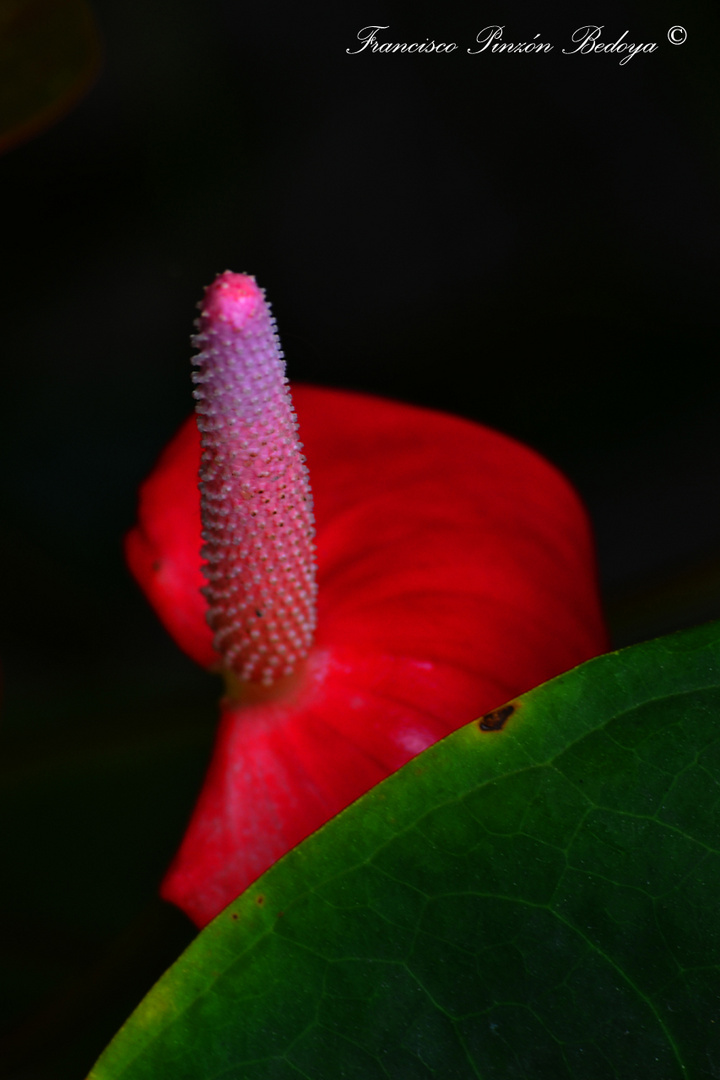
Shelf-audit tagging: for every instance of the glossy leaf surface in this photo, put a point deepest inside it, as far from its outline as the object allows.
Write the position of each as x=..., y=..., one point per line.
x=534, y=896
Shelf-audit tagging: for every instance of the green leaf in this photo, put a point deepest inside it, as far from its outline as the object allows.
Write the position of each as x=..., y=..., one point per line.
x=49, y=55
x=535, y=896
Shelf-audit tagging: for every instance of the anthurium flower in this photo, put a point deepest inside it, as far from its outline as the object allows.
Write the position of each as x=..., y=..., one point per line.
x=454, y=570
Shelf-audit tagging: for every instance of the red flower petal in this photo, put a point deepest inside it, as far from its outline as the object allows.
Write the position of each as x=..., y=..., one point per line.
x=455, y=571
x=163, y=550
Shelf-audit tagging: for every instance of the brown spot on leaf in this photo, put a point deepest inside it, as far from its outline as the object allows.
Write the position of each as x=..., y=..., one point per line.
x=260, y=900
x=496, y=720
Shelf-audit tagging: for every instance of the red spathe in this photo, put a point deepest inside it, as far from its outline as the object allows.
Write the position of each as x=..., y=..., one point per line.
x=455, y=570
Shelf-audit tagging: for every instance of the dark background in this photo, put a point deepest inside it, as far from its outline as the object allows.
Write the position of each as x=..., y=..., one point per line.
x=531, y=241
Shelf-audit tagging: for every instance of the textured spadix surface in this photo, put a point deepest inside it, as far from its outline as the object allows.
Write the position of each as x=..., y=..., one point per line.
x=534, y=897
x=256, y=505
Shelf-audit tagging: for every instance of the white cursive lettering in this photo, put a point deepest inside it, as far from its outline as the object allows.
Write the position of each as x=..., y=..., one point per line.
x=491, y=38
x=587, y=40
x=368, y=37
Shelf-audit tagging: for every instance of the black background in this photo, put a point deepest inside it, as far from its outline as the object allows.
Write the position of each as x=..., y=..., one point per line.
x=528, y=240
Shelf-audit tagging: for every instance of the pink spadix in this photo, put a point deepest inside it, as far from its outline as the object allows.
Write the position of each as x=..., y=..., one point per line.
x=256, y=505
